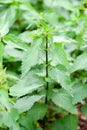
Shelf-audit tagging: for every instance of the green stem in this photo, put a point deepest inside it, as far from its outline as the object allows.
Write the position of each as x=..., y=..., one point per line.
x=47, y=84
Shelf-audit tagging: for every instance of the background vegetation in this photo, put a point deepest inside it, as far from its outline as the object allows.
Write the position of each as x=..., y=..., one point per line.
x=43, y=64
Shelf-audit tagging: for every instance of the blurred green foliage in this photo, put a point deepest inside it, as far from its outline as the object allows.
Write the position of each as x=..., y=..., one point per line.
x=24, y=25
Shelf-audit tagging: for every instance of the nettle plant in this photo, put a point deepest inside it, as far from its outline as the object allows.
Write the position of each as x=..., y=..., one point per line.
x=42, y=69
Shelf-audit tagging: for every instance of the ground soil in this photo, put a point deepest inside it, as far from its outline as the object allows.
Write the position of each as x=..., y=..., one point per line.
x=82, y=125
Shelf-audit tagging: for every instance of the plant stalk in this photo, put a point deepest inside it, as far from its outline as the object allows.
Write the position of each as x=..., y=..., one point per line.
x=47, y=84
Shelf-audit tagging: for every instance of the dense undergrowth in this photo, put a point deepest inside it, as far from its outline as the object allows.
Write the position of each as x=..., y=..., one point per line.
x=43, y=64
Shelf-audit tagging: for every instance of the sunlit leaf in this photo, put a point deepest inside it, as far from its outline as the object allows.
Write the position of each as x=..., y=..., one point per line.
x=26, y=85
x=58, y=55
x=31, y=56
x=25, y=103
x=60, y=75
x=6, y=1
x=7, y=20
x=80, y=63
x=15, y=41
x=64, y=100
x=79, y=92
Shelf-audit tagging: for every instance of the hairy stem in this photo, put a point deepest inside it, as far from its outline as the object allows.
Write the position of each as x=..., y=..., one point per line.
x=47, y=84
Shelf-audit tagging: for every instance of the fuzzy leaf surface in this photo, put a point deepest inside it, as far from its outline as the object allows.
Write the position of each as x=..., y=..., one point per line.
x=64, y=100
x=26, y=85
x=31, y=57
x=25, y=103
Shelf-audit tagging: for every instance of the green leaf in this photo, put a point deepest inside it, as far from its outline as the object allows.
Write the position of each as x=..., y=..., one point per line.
x=9, y=122
x=7, y=119
x=64, y=100
x=80, y=63
x=11, y=75
x=26, y=85
x=61, y=76
x=24, y=36
x=14, y=52
x=79, y=92
x=25, y=103
x=37, y=112
x=14, y=114
x=69, y=122
x=84, y=109
x=7, y=20
x=58, y=55
x=6, y=1
x=65, y=4
x=31, y=56
x=1, y=53
x=4, y=99
x=13, y=39
x=63, y=39
x=26, y=122
x=1, y=121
